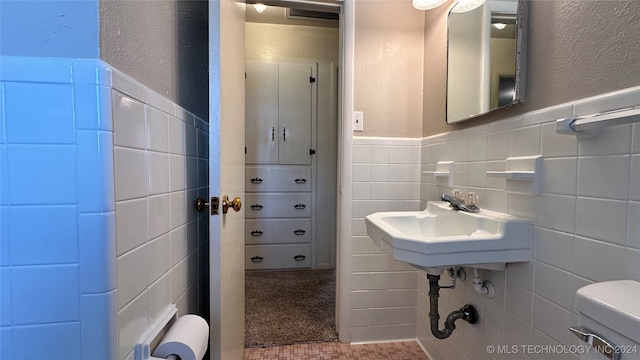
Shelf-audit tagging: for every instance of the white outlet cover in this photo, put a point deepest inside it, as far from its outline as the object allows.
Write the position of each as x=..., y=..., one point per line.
x=358, y=121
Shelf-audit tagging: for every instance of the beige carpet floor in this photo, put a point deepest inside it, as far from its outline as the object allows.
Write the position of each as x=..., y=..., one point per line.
x=289, y=307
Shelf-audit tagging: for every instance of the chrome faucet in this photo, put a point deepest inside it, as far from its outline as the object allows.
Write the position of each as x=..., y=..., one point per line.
x=459, y=204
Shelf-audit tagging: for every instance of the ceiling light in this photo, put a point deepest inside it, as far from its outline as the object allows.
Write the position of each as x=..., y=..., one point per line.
x=467, y=5
x=499, y=26
x=427, y=4
x=260, y=7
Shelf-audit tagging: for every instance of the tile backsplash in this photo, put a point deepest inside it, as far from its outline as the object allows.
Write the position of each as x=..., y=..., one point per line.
x=585, y=223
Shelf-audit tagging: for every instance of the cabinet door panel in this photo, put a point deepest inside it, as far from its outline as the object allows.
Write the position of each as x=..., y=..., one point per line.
x=261, y=113
x=295, y=104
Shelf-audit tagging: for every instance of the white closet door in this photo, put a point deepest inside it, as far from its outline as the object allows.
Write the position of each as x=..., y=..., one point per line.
x=261, y=131
x=295, y=90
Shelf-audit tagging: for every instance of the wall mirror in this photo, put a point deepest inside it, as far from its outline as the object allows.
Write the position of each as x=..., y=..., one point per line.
x=485, y=58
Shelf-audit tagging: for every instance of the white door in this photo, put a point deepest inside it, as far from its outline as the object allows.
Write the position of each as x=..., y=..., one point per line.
x=226, y=177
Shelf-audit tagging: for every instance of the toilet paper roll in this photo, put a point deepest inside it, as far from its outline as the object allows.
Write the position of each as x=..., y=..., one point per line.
x=188, y=338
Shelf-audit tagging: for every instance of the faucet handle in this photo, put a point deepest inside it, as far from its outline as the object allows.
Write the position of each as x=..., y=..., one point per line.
x=456, y=194
x=471, y=199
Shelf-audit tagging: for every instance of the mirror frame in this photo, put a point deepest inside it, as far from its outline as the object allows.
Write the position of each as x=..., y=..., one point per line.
x=520, y=66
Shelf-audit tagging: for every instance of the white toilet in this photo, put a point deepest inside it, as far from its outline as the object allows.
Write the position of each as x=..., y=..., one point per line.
x=609, y=312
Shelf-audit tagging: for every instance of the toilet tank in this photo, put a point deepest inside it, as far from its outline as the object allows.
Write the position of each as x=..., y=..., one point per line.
x=611, y=310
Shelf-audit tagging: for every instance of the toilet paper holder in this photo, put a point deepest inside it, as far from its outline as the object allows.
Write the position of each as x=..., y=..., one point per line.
x=150, y=339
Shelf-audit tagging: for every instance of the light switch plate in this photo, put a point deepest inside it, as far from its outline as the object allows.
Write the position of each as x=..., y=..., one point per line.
x=358, y=121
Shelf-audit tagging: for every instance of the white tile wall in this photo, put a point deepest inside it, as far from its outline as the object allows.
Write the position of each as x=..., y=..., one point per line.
x=585, y=223
x=160, y=154
x=386, y=177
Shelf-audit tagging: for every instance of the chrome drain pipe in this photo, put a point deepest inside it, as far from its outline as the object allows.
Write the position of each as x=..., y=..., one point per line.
x=467, y=313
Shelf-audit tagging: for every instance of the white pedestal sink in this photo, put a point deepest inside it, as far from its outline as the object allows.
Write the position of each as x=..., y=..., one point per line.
x=440, y=237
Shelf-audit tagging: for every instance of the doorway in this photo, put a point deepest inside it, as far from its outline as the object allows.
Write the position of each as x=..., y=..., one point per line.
x=286, y=265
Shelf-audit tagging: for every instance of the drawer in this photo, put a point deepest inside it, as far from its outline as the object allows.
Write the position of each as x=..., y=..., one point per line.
x=277, y=178
x=259, y=257
x=277, y=231
x=295, y=205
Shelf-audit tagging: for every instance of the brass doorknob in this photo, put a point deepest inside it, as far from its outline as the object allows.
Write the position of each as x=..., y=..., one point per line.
x=235, y=204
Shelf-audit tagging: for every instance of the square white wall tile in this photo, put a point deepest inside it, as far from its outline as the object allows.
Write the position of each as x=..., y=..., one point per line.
x=179, y=211
x=159, y=257
x=604, y=176
x=519, y=300
x=460, y=151
x=633, y=225
x=177, y=137
x=130, y=173
x=526, y=141
x=178, y=174
x=555, y=248
x=551, y=283
x=128, y=122
x=380, y=154
x=552, y=320
x=133, y=321
x=559, y=176
x=131, y=225
x=499, y=146
x=157, y=129
x=634, y=186
x=602, y=219
x=159, y=215
x=361, y=172
x=557, y=212
x=635, y=138
x=179, y=244
x=159, y=296
x=612, y=140
x=557, y=145
x=440, y=152
x=158, y=176
x=598, y=261
x=362, y=154
x=478, y=148
x=132, y=275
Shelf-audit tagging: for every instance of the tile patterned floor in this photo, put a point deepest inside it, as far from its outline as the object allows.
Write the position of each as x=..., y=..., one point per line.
x=334, y=350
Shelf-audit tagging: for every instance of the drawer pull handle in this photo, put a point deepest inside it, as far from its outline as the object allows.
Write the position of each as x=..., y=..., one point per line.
x=299, y=232
x=257, y=259
x=256, y=207
x=300, y=181
x=256, y=180
x=256, y=233
x=299, y=206
x=299, y=257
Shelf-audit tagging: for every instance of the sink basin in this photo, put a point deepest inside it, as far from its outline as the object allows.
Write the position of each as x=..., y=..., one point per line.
x=441, y=237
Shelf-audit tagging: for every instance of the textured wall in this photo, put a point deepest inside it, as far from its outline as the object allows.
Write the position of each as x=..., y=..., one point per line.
x=275, y=41
x=388, y=67
x=575, y=49
x=49, y=28
x=162, y=44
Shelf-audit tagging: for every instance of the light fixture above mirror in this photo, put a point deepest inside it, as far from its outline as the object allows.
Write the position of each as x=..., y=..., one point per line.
x=461, y=5
x=427, y=4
